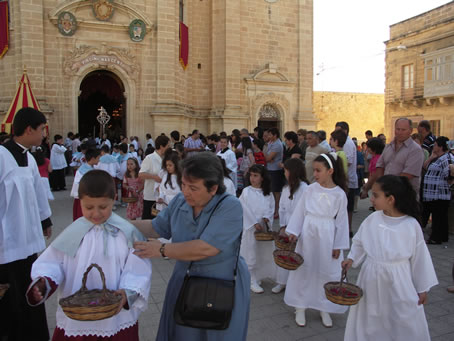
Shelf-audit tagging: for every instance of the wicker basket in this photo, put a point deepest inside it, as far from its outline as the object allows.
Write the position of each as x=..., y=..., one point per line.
x=282, y=243
x=129, y=200
x=266, y=235
x=91, y=305
x=3, y=289
x=154, y=210
x=288, y=260
x=343, y=293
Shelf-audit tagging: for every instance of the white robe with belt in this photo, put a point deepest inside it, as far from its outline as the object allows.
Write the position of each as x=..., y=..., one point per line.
x=396, y=267
x=320, y=221
x=257, y=254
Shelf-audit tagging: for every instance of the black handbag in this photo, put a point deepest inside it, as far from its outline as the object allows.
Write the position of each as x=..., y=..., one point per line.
x=204, y=302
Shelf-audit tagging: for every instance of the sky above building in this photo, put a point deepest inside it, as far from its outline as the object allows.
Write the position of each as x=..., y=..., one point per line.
x=349, y=36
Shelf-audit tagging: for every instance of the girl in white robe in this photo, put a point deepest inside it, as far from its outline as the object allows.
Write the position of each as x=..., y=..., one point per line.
x=258, y=210
x=397, y=270
x=320, y=225
x=169, y=187
x=106, y=239
x=295, y=173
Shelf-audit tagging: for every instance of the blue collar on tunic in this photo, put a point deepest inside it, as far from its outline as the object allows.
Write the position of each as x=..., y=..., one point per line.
x=69, y=240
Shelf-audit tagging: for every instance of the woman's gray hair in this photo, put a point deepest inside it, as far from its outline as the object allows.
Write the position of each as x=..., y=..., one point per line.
x=206, y=166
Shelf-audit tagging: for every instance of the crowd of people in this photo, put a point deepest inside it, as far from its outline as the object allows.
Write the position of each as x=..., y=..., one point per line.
x=306, y=184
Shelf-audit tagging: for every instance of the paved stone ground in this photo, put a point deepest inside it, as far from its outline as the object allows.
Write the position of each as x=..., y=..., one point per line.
x=270, y=318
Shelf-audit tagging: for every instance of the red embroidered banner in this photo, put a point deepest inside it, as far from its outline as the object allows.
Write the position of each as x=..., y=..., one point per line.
x=184, y=45
x=4, y=30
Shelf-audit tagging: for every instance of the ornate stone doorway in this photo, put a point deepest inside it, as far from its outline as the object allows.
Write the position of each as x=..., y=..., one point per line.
x=102, y=88
x=269, y=117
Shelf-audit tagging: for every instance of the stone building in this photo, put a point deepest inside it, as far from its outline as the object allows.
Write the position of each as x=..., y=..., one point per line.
x=362, y=111
x=250, y=63
x=420, y=71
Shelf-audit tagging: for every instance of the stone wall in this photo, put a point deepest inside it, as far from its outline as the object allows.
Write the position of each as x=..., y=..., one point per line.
x=361, y=111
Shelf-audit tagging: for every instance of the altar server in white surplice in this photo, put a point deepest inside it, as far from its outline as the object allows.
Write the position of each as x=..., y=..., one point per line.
x=24, y=217
x=320, y=224
x=295, y=173
x=258, y=210
x=397, y=270
x=103, y=238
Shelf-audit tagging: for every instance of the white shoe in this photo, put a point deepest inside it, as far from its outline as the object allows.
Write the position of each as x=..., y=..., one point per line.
x=326, y=319
x=255, y=287
x=300, y=317
x=278, y=288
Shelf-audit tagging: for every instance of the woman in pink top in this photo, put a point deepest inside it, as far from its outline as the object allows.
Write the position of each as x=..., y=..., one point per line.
x=375, y=147
x=44, y=167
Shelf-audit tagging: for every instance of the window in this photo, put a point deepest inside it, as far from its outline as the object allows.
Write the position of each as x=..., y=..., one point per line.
x=435, y=127
x=408, y=76
x=181, y=10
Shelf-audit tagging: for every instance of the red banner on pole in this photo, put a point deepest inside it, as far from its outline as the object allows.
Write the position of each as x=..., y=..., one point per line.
x=4, y=30
x=184, y=45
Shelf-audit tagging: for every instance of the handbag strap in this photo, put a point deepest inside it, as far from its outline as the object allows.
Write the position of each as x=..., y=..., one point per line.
x=238, y=252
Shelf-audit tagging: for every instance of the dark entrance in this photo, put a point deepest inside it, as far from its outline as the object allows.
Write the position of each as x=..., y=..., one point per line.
x=269, y=117
x=102, y=88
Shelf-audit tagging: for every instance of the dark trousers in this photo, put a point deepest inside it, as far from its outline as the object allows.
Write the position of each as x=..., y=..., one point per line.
x=18, y=320
x=439, y=210
x=147, y=205
x=57, y=179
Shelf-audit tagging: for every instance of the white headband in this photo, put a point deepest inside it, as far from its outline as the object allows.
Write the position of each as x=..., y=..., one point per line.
x=330, y=163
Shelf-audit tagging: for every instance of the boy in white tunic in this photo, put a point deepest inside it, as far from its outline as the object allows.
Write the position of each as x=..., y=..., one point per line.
x=397, y=269
x=106, y=239
x=24, y=218
x=320, y=225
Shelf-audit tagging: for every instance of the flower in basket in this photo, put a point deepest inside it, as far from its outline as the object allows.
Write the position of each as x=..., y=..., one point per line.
x=288, y=259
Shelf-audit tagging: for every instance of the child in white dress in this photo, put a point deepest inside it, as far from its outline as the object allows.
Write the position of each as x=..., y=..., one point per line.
x=397, y=270
x=295, y=173
x=320, y=225
x=258, y=210
x=106, y=239
x=169, y=186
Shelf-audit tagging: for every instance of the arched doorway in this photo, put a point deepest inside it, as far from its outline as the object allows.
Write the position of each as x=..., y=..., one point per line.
x=102, y=88
x=269, y=117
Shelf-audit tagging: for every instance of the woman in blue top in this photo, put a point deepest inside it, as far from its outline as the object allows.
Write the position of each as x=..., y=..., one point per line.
x=214, y=253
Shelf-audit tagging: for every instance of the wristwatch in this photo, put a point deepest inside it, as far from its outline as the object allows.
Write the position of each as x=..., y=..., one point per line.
x=162, y=250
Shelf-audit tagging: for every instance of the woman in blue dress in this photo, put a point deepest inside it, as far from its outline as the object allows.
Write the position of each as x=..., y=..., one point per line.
x=214, y=253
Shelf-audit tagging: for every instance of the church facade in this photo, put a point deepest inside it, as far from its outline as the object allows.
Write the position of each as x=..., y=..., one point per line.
x=249, y=63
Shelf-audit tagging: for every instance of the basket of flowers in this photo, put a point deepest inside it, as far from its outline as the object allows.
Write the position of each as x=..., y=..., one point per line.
x=3, y=289
x=91, y=305
x=288, y=260
x=130, y=198
x=264, y=235
x=342, y=292
x=283, y=243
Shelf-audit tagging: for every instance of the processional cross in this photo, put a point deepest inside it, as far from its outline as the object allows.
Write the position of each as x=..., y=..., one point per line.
x=103, y=118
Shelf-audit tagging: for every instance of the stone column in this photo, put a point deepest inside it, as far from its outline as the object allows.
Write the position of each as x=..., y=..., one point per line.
x=304, y=117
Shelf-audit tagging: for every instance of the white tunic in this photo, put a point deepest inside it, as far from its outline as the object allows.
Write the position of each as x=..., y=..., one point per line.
x=257, y=254
x=286, y=208
x=57, y=157
x=321, y=223
x=23, y=205
x=396, y=267
x=229, y=186
x=122, y=269
x=166, y=192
